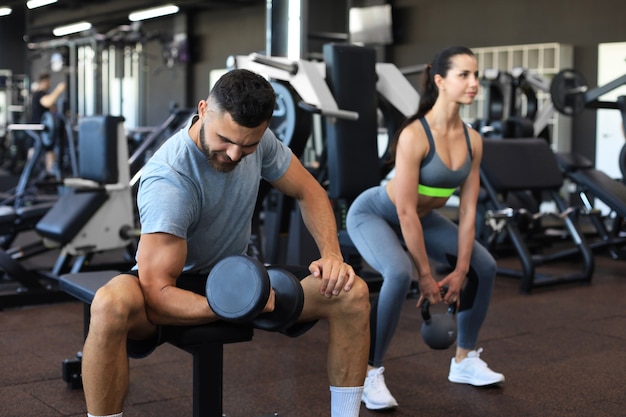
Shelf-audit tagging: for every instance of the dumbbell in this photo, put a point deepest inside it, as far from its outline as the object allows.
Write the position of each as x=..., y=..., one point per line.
x=238, y=287
x=438, y=330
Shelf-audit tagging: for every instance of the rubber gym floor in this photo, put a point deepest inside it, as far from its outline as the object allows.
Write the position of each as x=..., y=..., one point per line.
x=561, y=349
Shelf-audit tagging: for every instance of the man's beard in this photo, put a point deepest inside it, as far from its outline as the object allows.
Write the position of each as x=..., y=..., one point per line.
x=213, y=158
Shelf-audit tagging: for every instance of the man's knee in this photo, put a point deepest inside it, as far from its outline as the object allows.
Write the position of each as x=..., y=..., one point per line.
x=357, y=300
x=113, y=303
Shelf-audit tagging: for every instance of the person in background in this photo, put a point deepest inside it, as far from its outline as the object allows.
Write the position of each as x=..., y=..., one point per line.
x=43, y=100
x=397, y=229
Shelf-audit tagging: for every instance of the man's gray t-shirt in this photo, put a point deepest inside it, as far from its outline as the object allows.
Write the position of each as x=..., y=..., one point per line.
x=181, y=194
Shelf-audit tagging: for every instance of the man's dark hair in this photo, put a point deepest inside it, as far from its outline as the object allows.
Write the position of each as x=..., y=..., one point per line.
x=44, y=76
x=246, y=96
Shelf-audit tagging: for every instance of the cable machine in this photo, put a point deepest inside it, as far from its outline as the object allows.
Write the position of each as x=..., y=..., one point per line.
x=103, y=72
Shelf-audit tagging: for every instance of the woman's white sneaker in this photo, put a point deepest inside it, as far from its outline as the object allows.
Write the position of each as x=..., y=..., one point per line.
x=474, y=371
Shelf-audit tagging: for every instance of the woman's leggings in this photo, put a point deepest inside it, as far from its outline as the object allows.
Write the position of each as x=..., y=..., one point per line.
x=374, y=227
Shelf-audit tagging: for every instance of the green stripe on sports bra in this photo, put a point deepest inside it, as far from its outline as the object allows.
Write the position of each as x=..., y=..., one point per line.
x=435, y=191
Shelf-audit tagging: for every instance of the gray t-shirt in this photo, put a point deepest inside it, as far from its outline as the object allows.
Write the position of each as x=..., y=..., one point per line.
x=181, y=194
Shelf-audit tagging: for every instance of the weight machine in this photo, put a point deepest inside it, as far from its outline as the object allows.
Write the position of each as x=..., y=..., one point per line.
x=91, y=217
x=303, y=92
x=12, y=106
x=505, y=168
x=351, y=138
x=512, y=108
x=24, y=205
x=570, y=96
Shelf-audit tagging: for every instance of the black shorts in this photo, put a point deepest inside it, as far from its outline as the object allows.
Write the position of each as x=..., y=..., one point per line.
x=197, y=283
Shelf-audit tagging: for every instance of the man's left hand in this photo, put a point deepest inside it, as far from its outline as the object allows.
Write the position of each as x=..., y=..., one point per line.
x=336, y=275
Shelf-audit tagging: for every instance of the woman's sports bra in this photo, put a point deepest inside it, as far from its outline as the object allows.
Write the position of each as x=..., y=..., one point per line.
x=436, y=179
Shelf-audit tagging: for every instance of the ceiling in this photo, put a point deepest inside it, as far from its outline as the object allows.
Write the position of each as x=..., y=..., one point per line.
x=103, y=14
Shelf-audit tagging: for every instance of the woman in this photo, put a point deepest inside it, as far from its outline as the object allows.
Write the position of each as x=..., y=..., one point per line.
x=397, y=229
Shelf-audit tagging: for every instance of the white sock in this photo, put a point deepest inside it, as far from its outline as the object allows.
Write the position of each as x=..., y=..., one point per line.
x=345, y=401
x=111, y=415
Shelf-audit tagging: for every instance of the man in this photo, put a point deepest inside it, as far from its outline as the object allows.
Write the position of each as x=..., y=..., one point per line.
x=196, y=200
x=43, y=101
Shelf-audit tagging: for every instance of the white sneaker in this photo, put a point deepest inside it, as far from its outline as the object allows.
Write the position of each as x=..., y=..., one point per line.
x=474, y=371
x=376, y=396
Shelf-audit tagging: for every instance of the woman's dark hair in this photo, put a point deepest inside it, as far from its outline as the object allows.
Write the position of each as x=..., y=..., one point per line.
x=440, y=65
x=246, y=96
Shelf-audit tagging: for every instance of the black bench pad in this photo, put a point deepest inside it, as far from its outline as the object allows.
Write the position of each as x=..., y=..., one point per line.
x=520, y=164
x=597, y=183
x=83, y=286
x=72, y=211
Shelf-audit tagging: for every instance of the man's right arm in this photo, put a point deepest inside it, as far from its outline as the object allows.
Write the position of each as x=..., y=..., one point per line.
x=50, y=99
x=160, y=259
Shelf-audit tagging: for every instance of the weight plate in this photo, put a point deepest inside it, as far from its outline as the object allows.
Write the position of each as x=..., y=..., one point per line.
x=290, y=123
x=51, y=129
x=532, y=103
x=237, y=288
x=288, y=303
x=494, y=99
x=567, y=91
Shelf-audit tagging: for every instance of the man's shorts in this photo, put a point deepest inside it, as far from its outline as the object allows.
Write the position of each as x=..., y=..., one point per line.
x=197, y=283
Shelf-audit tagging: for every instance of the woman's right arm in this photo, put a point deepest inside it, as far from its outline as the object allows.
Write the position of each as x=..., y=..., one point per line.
x=411, y=149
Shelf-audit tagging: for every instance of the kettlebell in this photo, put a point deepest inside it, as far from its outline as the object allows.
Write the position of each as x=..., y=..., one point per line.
x=438, y=330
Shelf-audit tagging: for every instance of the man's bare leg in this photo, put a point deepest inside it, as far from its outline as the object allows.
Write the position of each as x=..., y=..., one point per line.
x=349, y=335
x=117, y=311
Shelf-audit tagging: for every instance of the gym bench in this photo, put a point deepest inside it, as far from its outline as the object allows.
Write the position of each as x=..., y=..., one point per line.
x=529, y=165
x=592, y=183
x=86, y=219
x=204, y=342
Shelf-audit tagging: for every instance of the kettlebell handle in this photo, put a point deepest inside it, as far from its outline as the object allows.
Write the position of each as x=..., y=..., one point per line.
x=426, y=306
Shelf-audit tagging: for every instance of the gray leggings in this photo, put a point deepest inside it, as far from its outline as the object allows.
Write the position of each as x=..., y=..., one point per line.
x=374, y=227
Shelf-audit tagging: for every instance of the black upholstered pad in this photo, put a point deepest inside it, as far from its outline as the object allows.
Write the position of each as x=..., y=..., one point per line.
x=97, y=136
x=573, y=161
x=83, y=285
x=190, y=337
x=520, y=164
x=610, y=191
x=70, y=214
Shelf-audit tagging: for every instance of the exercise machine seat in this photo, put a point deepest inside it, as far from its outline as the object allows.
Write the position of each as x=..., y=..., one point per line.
x=97, y=205
x=204, y=342
x=71, y=212
x=520, y=164
x=597, y=183
x=530, y=165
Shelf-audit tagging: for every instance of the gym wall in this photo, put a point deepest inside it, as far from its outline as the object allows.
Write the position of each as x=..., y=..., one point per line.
x=421, y=27
x=12, y=55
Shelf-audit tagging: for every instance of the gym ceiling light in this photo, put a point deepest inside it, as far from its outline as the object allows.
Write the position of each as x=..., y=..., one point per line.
x=153, y=12
x=73, y=28
x=5, y=11
x=33, y=4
